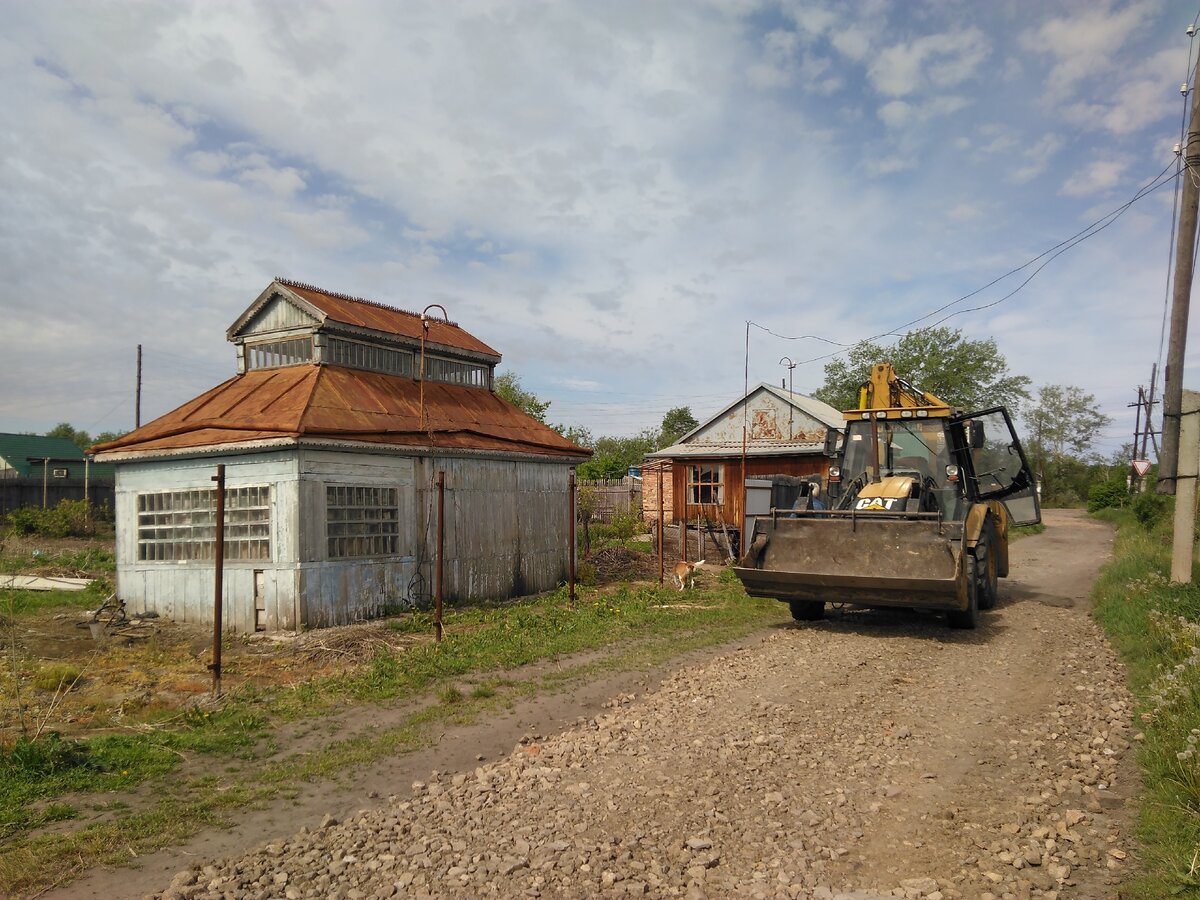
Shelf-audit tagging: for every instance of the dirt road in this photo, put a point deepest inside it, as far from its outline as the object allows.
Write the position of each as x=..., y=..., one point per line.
x=873, y=754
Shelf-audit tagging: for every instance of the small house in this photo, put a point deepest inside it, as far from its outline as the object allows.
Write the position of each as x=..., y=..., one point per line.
x=778, y=432
x=36, y=470
x=344, y=417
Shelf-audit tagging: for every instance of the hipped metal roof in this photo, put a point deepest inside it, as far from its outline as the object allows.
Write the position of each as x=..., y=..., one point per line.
x=335, y=403
x=331, y=307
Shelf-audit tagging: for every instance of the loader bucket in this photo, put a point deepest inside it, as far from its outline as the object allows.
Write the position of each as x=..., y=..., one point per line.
x=868, y=560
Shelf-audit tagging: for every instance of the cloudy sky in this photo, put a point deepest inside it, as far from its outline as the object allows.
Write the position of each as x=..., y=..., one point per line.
x=605, y=192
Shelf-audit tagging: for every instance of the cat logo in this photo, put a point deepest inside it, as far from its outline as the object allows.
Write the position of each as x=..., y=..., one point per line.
x=876, y=503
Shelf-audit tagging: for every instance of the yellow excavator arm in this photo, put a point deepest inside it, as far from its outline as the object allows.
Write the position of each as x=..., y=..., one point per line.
x=887, y=390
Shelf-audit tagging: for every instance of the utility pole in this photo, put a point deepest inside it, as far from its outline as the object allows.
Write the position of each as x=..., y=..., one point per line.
x=1168, y=461
x=137, y=403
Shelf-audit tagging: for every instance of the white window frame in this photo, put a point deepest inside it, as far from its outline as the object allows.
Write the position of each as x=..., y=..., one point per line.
x=699, y=486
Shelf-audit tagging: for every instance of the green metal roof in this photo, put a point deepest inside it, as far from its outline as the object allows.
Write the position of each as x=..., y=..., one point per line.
x=16, y=451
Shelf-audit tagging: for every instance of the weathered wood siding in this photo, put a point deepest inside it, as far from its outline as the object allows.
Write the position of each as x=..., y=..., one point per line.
x=506, y=527
x=183, y=590
x=506, y=534
x=733, y=497
x=340, y=591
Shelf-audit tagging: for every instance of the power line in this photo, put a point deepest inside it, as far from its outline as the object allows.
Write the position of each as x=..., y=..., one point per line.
x=1048, y=255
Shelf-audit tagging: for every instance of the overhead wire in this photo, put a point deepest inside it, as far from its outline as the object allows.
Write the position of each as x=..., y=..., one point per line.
x=1049, y=255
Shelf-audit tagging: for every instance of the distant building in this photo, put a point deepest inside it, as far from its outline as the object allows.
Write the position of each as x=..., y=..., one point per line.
x=332, y=442
x=33, y=455
x=42, y=471
x=702, y=472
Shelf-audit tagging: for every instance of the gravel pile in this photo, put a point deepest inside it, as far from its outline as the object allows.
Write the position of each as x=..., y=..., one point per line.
x=872, y=755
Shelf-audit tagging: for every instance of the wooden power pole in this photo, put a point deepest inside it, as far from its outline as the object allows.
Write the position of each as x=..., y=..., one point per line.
x=1168, y=461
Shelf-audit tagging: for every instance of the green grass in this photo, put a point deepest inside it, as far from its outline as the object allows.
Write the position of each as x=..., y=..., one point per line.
x=1154, y=626
x=639, y=626
x=94, y=561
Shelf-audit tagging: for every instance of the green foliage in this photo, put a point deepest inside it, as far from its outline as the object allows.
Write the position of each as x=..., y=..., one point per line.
x=69, y=519
x=1064, y=423
x=508, y=386
x=964, y=373
x=1107, y=494
x=80, y=439
x=1151, y=509
x=56, y=677
x=614, y=455
x=48, y=755
x=675, y=424
x=1155, y=626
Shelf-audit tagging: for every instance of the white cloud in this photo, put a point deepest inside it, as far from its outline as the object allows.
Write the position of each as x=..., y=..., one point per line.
x=1087, y=40
x=936, y=60
x=1097, y=177
x=1038, y=157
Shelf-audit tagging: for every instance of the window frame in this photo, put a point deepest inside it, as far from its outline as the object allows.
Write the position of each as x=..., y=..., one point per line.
x=361, y=529
x=180, y=525
x=715, y=486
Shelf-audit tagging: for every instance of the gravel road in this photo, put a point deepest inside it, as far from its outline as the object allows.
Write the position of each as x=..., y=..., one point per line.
x=875, y=754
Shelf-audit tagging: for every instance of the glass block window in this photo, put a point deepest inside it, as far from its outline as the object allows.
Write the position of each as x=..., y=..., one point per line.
x=182, y=525
x=438, y=369
x=705, y=483
x=361, y=521
x=279, y=353
x=367, y=356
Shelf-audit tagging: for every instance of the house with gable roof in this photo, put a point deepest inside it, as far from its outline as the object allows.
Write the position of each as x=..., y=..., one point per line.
x=333, y=432
x=783, y=433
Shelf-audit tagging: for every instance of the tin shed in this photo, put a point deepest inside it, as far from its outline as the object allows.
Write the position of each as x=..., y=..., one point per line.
x=332, y=434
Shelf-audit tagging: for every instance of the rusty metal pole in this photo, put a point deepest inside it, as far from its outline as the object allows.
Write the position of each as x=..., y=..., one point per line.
x=219, y=573
x=45, y=476
x=571, y=530
x=441, y=555
x=661, y=568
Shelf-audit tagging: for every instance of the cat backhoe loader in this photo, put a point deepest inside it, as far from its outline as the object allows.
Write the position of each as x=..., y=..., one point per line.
x=922, y=497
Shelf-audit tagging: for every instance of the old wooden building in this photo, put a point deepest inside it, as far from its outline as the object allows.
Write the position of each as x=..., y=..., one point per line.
x=702, y=472
x=333, y=432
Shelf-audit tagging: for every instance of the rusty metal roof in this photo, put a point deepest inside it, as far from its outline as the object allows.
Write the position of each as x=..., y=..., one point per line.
x=378, y=317
x=331, y=402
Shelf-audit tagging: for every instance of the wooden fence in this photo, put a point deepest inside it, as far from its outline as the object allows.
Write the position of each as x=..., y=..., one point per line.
x=611, y=496
x=16, y=493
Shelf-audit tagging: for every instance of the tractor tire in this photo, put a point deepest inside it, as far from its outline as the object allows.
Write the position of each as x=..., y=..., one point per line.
x=987, y=578
x=807, y=610
x=969, y=617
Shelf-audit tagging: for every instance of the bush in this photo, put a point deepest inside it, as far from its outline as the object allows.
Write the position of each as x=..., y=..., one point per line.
x=71, y=518
x=1150, y=508
x=1107, y=495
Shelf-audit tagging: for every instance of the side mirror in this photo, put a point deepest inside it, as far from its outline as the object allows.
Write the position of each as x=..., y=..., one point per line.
x=833, y=440
x=976, y=435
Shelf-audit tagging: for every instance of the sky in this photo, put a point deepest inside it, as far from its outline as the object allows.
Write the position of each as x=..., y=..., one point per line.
x=604, y=192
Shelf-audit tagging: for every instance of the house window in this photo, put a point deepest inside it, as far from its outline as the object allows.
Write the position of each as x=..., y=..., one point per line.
x=438, y=369
x=704, y=484
x=182, y=525
x=279, y=353
x=361, y=521
x=368, y=356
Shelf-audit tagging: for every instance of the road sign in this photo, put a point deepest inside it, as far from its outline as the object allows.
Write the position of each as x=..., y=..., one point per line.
x=1141, y=467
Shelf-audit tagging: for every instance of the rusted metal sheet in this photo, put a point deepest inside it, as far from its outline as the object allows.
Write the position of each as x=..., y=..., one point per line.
x=378, y=317
x=309, y=401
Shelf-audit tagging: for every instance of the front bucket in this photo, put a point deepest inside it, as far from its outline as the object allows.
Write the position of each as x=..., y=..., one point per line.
x=866, y=560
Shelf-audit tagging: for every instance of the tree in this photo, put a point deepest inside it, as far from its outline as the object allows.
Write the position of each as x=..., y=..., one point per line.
x=964, y=373
x=1063, y=426
x=675, y=424
x=81, y=439
x=614, y=455
x=507, y=385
